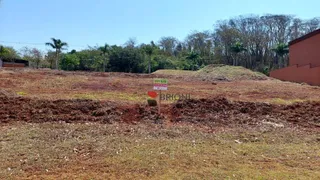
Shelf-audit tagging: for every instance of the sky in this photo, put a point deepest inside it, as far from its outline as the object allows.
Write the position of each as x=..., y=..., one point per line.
x=96, y=22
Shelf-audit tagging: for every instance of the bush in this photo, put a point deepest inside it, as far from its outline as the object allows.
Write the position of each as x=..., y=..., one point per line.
x=152, y=102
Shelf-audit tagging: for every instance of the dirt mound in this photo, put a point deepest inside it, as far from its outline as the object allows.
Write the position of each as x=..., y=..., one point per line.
x=32, y=110
x=213, y=73
x=221, y=112
x=220, y=72
x=215, y=112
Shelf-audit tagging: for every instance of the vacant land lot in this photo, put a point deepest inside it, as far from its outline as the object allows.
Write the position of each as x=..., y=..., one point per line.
x=132, y=88
x=62, y=125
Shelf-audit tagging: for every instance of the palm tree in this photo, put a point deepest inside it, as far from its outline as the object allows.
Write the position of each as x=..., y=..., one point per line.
x=194, y=57
x=281, y=50
x=237, y=48
x=149, y=51
x=104, y=52
x=58, y=45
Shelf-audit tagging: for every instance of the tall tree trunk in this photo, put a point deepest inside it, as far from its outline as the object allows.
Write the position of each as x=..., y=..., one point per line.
x=277, y=62
x=234, y=58
x=149, y=65
x=282, y=61
x=57, y=59
x=104, y=64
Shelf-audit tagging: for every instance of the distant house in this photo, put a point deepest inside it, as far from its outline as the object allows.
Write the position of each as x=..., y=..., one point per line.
x=304, y=60
x=15, y=63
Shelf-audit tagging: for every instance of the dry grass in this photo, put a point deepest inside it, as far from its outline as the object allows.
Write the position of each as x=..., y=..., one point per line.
x=96, y=151
x=215, y=73
x=174, y=72
x=231, y=73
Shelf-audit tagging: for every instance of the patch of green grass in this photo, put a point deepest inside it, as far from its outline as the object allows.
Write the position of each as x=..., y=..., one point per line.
x=21, y=93
x=110, y=96
x=124, y=96
x=174, y=72
x=285, y=101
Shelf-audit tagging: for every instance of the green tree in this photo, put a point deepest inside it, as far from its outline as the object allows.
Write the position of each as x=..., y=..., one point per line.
x=70, y=62
x=73, y=51
x=8, y=53
x=90, y=59
x=237, y=48
x=281, y=50
x=126, y=59
x=105, y=50
x=3, y=51
x=58, y=45
x=50, y=57
x=148, y=49
x=201, y=43
x=194, y=58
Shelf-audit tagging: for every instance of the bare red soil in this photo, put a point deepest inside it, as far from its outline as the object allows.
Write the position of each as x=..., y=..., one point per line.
x=215, y=112
x=220, y=111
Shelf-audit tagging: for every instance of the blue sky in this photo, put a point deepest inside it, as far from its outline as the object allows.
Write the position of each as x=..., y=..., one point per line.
x=95, y=22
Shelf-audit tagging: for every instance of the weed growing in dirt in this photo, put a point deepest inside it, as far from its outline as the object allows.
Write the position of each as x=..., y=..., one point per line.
x=21, y=93
x=285, y=101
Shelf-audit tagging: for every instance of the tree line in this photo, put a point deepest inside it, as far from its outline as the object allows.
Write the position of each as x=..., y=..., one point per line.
x=255, y=42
